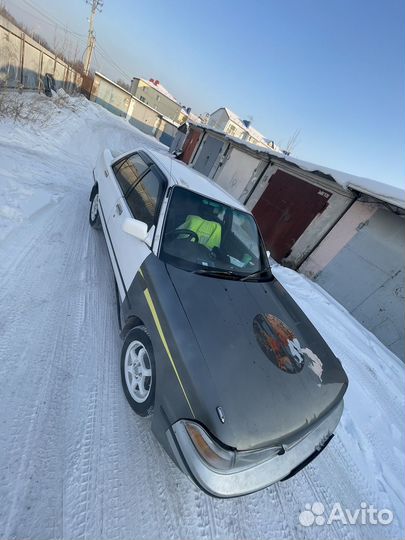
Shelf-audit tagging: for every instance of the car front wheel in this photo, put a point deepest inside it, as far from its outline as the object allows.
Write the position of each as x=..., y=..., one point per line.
x=138, y=373
x=94, y=216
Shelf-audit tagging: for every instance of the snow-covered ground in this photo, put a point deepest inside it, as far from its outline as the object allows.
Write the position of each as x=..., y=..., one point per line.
x=75, y=461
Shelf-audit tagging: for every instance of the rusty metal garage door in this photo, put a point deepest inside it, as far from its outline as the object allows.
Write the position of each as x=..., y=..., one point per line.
x=190, y=144
x=285, y=209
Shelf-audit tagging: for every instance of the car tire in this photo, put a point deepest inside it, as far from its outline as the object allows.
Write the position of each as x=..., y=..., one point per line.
x=138, y=372
x=94, y=215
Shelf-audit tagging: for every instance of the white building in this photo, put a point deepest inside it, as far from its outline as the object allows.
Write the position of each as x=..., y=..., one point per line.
x=154, y=94
x=227, y=121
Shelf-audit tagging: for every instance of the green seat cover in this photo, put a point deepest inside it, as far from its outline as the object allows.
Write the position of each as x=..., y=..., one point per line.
x=209, y=232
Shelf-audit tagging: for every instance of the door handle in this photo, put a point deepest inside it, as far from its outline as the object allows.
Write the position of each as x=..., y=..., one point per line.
x=118, y=207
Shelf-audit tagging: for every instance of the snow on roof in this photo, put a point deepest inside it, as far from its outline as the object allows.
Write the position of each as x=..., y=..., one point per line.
x=375, y=188
x=380, y=190
x=254, y=133
x=180, y=174
x=160, y=88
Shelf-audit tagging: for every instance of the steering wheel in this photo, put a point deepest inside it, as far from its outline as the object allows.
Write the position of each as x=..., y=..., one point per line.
x=191, y=236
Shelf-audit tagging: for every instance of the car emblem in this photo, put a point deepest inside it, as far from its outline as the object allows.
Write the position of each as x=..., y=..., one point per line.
x=282, y=347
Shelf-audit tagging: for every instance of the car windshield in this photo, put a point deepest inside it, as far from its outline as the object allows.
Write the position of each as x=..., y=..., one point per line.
x=209, y=237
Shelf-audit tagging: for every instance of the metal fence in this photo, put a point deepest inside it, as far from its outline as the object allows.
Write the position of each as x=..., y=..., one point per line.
x=24, y=62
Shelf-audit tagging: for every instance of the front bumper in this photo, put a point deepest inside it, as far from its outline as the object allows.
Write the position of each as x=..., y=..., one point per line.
x=241, y=482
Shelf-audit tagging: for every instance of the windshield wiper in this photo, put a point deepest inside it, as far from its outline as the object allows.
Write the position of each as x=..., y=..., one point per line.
x=217, y=273
x=258, y=273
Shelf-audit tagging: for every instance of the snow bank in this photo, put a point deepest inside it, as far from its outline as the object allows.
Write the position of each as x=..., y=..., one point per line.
x=372, y=427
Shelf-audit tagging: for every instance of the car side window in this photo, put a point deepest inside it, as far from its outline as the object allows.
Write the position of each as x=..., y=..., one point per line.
x=128, y=171
x=144, y=199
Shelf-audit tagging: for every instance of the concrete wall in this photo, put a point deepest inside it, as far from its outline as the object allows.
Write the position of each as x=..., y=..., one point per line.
x=110, y=96
x=361, y=263
x=24, y=62
x=143, y=117
x=139, y=114
x=165, y=133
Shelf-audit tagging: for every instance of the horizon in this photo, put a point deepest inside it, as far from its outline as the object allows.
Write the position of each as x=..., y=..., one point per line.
x=350, y=90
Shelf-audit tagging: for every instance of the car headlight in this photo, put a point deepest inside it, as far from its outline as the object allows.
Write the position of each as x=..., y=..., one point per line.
x=212, y=453
x=224, y=459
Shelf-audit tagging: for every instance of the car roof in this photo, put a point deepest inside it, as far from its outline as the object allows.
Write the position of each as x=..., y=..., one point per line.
x=179, y=174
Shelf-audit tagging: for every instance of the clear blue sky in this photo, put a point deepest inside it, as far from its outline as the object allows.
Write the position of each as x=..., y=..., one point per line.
x=333, y=69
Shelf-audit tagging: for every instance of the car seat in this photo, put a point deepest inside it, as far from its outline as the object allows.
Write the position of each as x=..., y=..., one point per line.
x=208, y=232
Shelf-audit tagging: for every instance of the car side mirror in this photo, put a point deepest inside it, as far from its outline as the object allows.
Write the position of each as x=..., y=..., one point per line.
x=136, y=228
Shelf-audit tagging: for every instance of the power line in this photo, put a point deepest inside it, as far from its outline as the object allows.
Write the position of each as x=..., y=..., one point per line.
x=108, y=58
x=53, y=20
x=46, y=20
x=96, y=5
x=80, y=37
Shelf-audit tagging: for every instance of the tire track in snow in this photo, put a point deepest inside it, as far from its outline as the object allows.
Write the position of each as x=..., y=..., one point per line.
x=44, y=427
x=115, y=518
x=84, y=458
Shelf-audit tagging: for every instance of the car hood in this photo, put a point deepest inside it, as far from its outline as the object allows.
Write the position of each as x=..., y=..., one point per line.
x=272, y=373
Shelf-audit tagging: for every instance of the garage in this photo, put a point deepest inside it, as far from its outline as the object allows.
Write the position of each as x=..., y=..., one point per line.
x=144, y=118
x=282, y=214
x=208, y=154
x=236, y=171
x=191, y=143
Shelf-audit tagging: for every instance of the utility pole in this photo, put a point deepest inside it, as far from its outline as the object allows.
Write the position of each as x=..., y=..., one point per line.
x=96, y=5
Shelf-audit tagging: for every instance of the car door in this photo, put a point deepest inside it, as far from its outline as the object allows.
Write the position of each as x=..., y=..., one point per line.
x=117, y=179
x=142, y=202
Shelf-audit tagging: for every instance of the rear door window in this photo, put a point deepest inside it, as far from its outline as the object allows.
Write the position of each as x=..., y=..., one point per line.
x=128, y=171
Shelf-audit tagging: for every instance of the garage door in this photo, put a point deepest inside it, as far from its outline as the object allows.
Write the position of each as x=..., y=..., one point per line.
x=285, y=209
x=236, y=172
x=190, y=144
x=210, y=150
